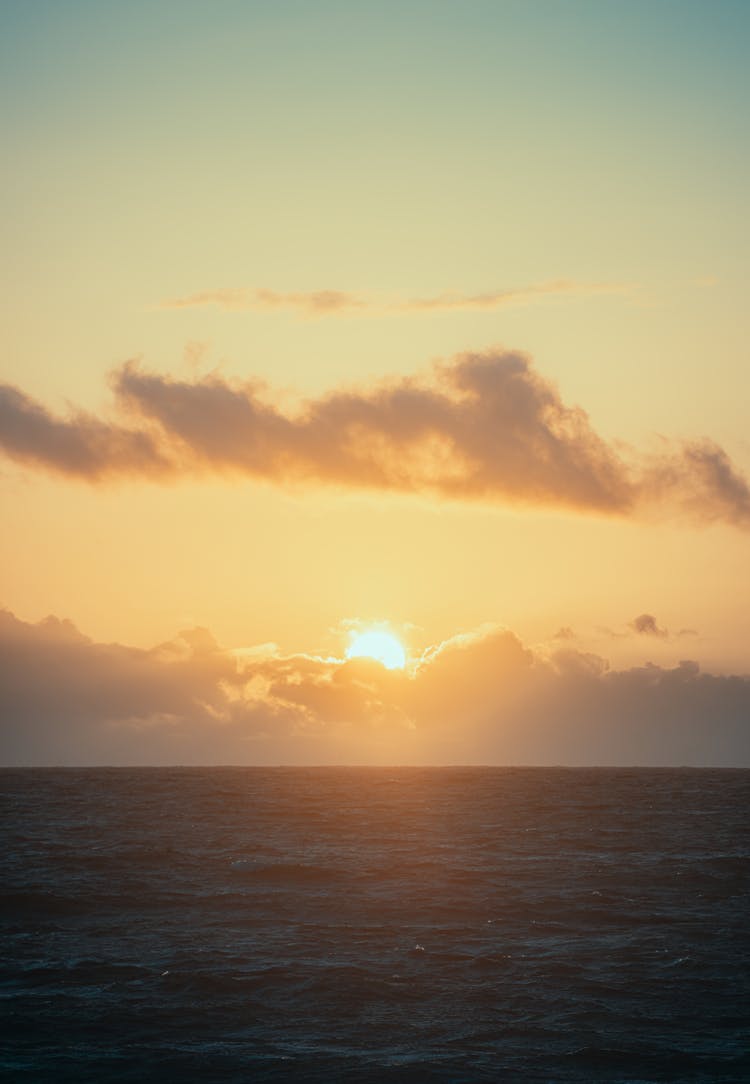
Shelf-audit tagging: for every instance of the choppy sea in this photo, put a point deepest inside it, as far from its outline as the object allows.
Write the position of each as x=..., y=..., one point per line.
x=353, y=924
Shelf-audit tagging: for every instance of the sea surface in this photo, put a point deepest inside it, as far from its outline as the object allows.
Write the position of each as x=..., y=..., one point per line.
x=354, y=924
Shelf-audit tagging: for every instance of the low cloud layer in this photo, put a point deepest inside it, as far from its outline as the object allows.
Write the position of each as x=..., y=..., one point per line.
x=479, y=698
x=341, y=303
x=486, y=427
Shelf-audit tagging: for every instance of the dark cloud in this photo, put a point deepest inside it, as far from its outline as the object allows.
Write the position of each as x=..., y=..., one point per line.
x=645, y=625
x=73, y=696
x=79, y=446
x=485, y=428
x=697, y=479
x=479, y=698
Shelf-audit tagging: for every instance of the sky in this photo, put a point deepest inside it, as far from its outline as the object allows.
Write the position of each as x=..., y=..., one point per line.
x=329, y=317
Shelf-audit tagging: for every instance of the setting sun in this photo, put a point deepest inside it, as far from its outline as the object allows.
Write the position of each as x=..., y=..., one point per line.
x=381, y=646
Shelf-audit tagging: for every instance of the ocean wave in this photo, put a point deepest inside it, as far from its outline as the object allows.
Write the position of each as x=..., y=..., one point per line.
x=406, y=926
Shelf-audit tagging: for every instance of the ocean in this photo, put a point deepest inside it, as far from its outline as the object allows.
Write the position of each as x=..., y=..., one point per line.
x=374, y=924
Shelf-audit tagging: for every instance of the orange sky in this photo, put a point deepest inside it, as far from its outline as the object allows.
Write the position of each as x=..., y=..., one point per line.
x=342, y=315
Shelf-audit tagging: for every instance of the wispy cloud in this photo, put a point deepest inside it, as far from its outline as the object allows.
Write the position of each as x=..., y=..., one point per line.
x=486, y=427
x=482, y=697
x=499, y=299
x=311, y=303
x=341, y=303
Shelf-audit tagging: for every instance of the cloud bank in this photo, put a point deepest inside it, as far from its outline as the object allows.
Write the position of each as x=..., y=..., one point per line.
x=479, y=698
x=486, y=427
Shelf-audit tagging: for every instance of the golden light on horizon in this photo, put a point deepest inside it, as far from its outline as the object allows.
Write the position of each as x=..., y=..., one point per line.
x=381, y=646
x=406, y=458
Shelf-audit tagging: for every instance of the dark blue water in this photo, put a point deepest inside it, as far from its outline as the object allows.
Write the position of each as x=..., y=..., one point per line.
x=375, y=925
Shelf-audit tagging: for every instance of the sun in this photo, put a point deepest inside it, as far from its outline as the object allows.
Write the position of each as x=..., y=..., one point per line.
x=381, y=646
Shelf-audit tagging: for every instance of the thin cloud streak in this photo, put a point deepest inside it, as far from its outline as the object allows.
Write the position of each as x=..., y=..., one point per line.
x=500, y=299
x=311, y=303
x=486, y=428
x=342, y=303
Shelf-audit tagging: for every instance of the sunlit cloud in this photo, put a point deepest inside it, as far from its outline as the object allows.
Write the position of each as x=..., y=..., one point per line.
x=485, y=428
x=479, y=697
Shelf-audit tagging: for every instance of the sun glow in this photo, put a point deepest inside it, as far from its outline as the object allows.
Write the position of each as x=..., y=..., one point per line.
x=381, y=646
